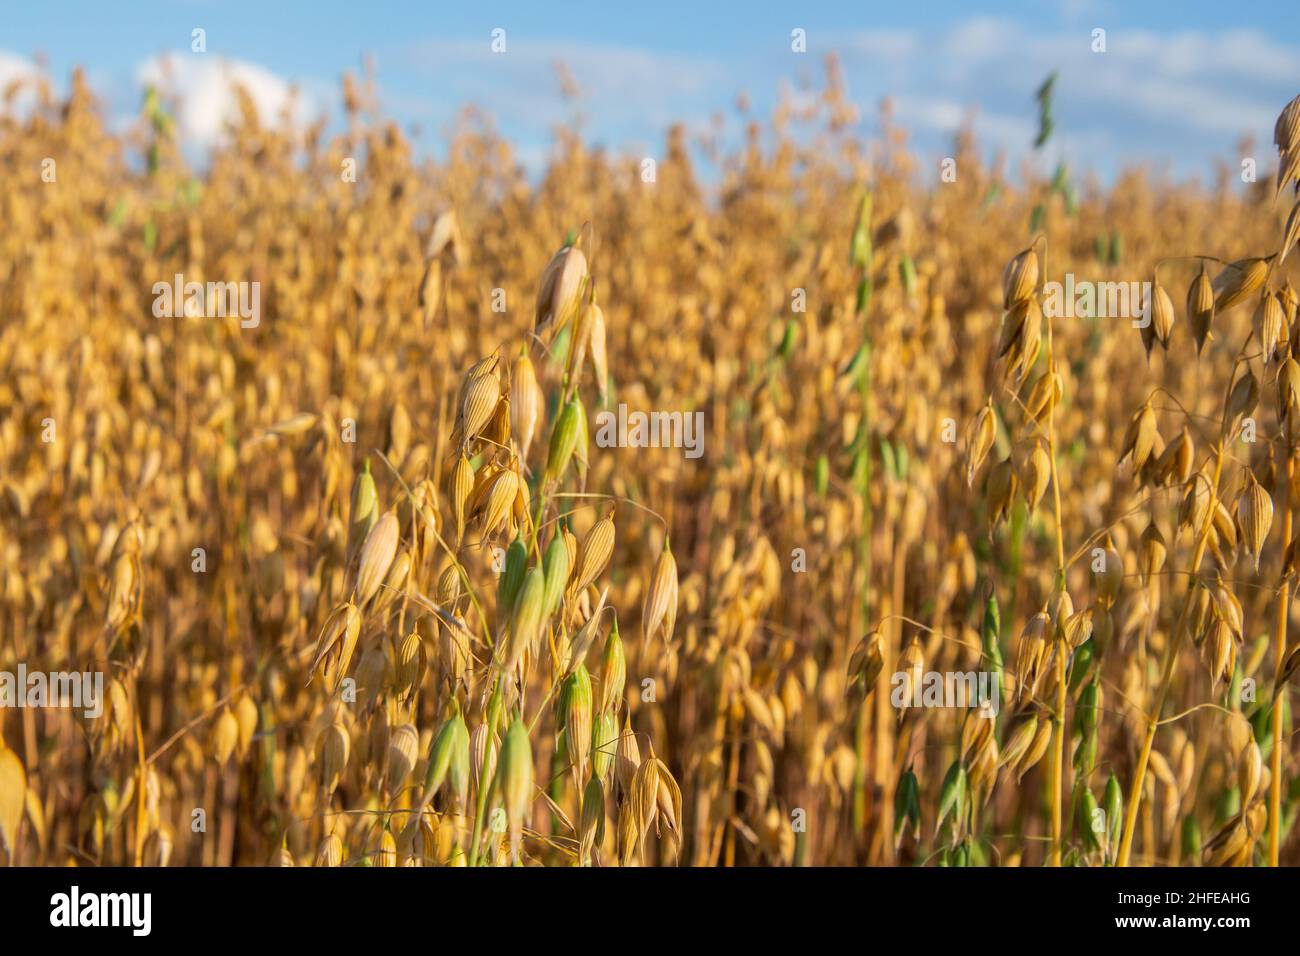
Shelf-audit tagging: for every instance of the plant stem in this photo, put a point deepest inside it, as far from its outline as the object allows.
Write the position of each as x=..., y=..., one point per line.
x=1058, y=718
x=864, y=562
x=480, y=796
x=1166, y=678
x=1279, y=650
x=1058, y=755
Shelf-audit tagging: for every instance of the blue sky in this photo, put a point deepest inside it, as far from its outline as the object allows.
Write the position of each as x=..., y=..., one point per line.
x=1178, y=86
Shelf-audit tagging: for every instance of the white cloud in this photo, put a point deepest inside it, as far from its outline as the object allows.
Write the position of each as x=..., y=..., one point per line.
x=890, y=45
x=1193, y=106
x=1245, y=54
x=1186, y=95
x=616, y=82
x=948, y=116
x=205, y=87
x=18, y=69
x=978, y=40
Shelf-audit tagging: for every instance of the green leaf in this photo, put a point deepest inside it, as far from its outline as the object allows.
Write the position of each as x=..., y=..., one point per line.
x=907, y=272
x=887, y=458
x=952, y=795
x=1191, y=838
x=860, y=248
x=788, y=338
x=990, y=196
x=1114, y=801
x=864, y=295
x=1071, y=195
x=1088, y=808
x=1060, y=179
x=1081, y=664
x=906, y=804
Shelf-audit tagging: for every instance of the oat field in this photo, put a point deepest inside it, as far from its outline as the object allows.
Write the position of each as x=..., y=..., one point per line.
x=367, y=585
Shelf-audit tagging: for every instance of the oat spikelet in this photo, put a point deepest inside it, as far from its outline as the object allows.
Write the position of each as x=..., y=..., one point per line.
x=1287, y=298
x=1244, y=396
x=1237, y=282
x=1032, y=655
x=335, y=746
x=1255, y=516
x=668, y=805
x=659, y=613
x=1000, y=491
x=526, y=620
x=1020, y=278
x=1151, y=552
x=1022, y=338
x=1220, y=651
x=462, y=483
x=586, y=636
x=482, y=394
x=627, y=757
x=867, y=661
x=403, y=749
x=1162, y=316
x=430, y=290
x=1290, y=234
x=330, y=852
x=980, y=432
x=599, y=355
x=502, y=490
x=364, y=510
x=1035, y=474
x=1018, y=740
x=1174, y=466
x=1288, y=390
x=645, y=797
x=1250, y=767
x=225, y=735
x=385, y=854
x=13, y=790
x=1042, y=394
x=560, y=291
x=1035, y=751
x=591, y=822
x=376, y=557
x=336, y=644
x=1286, y=137
x=124, y=592
x=1274, y=335
x=594, y=554
x=613, y=672
x=1141, y=436
x=576, y=708
x=515, y=782
x=526, y=403
x=1200, y=308
x=446, y=235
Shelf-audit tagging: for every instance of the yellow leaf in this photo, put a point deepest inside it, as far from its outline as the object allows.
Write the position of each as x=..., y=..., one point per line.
x=13, y=792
